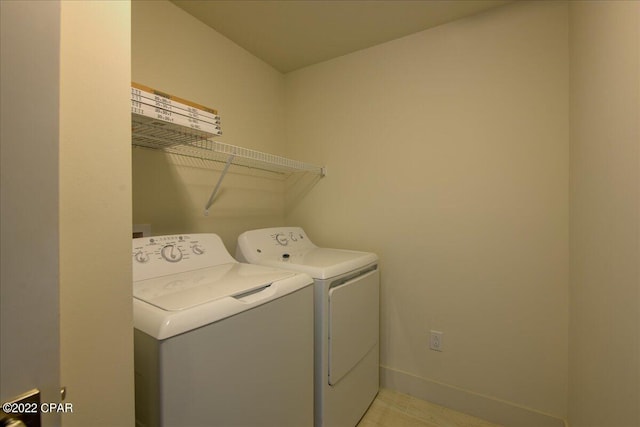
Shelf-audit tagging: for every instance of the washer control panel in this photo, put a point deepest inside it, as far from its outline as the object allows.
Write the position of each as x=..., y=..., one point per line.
x=161, y=255
x=168, y=248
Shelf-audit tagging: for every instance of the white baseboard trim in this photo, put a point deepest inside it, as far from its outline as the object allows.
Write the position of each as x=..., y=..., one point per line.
x=490, y=409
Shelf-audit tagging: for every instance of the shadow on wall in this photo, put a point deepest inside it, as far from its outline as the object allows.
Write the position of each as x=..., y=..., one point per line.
x=298, y=185
x=170, y=193
x=158, y=198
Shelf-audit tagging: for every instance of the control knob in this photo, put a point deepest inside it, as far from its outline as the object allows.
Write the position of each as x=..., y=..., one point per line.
x=171, y=253
x=282, y=239
x=141, y=257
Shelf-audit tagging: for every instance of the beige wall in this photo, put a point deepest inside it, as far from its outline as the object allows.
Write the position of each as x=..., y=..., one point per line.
x=96, y=339
x=190, y=60
x=605, y=214
x=448, y=155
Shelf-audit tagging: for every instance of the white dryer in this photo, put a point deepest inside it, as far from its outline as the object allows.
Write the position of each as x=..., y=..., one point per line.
x=346, y=317
x=217, y=342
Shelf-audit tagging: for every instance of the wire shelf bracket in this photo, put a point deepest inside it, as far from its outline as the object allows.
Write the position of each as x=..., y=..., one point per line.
x=217, y=187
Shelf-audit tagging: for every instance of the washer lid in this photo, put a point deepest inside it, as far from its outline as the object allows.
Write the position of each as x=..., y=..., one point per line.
x=185, y=290
x=324, y=263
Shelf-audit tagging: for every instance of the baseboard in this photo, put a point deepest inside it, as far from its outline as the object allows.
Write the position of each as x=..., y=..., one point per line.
x=490, y=409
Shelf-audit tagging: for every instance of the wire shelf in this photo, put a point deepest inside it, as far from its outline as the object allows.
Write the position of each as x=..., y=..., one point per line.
x=192, y=143
x=188, y=142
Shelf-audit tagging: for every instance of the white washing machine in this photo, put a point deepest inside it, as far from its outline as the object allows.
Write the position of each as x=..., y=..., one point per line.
x=346, y=317
x=217, y=342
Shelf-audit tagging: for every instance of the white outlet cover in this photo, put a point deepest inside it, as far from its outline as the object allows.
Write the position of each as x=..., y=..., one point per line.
x=435, y=340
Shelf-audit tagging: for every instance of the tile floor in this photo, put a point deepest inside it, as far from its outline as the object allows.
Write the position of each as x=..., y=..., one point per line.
x=393, y=409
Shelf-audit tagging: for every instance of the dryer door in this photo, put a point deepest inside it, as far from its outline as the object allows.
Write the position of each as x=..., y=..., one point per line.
x=353, y=323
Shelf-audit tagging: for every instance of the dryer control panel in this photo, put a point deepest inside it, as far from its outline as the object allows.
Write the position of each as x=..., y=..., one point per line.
x=270, y=242
x=284, y=237
x=161, y=255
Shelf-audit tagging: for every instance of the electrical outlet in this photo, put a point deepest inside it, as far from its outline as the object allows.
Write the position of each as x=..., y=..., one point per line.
x=435, y=340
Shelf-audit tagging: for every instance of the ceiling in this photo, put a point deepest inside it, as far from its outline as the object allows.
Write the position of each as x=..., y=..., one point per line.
x=291, y=34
